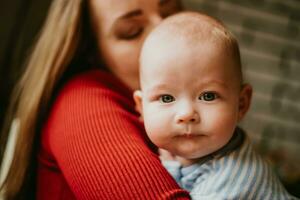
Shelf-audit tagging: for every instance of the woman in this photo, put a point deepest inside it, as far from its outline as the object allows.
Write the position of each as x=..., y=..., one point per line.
x=79, y=135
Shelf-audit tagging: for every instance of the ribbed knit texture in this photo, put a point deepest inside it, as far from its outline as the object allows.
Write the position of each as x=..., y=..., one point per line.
x=93, y=146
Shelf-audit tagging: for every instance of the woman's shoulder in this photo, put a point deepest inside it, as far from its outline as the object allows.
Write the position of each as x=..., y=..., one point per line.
x=95, y=79
x=89, y=92
x=92, y=85
x=85, y=101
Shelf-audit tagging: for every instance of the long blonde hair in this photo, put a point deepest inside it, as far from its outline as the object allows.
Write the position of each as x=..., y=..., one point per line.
x=55, y=48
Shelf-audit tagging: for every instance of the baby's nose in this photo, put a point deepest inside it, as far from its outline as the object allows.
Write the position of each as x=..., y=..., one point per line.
x=189, y=115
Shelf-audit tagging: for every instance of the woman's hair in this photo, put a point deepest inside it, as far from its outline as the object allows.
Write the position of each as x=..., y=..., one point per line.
x=63, y=41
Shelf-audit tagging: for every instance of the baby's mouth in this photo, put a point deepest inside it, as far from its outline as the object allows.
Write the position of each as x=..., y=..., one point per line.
x=189, y=135
x=190, y=132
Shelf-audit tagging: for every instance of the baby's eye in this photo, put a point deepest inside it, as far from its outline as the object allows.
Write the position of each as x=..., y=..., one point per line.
x=208, y=96
x=166, y=98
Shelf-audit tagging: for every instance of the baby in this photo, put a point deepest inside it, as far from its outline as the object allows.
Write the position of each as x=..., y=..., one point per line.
x=191, y=99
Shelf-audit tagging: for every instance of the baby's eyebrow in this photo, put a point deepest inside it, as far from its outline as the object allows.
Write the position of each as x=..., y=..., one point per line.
x=213, y=82
x=156, y=89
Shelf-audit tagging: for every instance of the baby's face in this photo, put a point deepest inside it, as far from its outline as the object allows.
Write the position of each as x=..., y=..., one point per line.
x=190, y=97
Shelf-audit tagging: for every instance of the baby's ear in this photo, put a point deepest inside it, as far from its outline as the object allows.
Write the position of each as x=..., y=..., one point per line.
x=244, y=100
x=137, y=96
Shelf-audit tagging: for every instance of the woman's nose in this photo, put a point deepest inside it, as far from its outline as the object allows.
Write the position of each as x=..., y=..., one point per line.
x=187, y=115
x=155, y=20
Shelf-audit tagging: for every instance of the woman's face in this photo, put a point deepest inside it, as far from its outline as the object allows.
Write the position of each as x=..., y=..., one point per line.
x=121, y=27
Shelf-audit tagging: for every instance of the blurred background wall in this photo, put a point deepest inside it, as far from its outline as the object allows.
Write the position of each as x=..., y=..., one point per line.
x=268, y=32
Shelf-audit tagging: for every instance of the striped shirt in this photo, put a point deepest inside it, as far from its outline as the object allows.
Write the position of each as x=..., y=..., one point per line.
x=236, y=174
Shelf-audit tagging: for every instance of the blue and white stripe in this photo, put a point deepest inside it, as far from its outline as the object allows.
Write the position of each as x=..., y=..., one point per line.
x=240, y=174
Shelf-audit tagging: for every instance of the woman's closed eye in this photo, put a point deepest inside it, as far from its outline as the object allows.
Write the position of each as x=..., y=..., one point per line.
x=166, y=98
x=208, y=96
x=129, y=31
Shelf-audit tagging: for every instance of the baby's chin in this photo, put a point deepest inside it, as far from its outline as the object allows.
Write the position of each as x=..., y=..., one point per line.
x=190, y=153
x=188, y=158
x=194, y=151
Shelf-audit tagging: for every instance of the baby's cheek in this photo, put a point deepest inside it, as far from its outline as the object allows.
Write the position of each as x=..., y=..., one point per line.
x=220, y=122
x=158, y=136
x=224, y=121
x=156, y=127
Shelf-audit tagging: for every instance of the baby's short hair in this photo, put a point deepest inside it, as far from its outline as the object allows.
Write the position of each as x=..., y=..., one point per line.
x=194, y=27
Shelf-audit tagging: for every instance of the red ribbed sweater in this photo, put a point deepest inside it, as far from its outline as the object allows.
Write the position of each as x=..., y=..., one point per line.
x=94, y=147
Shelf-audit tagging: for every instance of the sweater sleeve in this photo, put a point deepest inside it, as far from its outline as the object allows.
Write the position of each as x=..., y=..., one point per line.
x=100, y=148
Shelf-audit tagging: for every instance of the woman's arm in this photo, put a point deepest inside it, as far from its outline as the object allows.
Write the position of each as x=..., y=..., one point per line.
x=100, y=147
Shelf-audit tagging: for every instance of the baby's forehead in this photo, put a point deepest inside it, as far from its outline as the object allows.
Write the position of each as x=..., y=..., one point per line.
x=190, y=27
x=189, y=30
